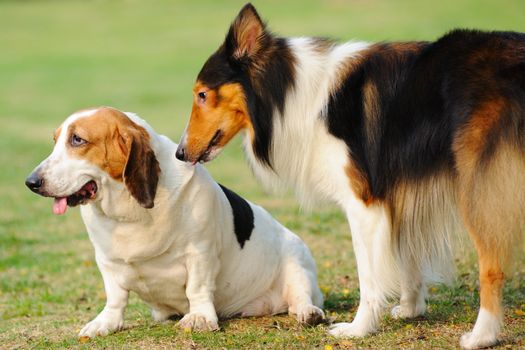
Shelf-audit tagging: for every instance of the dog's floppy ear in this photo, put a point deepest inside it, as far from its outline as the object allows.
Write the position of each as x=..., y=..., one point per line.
x=141, y=172
x=247, y=33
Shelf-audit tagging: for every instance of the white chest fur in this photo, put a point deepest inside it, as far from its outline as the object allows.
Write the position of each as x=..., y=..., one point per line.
x=160, y=281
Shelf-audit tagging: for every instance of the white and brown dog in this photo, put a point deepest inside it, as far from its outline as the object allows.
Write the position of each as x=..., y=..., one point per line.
x=165, y=230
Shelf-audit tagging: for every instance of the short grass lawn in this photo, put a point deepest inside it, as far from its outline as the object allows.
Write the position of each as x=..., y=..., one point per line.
x=143, y=56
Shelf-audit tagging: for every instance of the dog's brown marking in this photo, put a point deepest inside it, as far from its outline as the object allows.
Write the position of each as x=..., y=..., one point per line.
x=359, y=183
x=224, y=109
x=106, y=146
x=56, y=134
x=491, y=278
x=119, y=147
x=387, y=53
x=470, y=143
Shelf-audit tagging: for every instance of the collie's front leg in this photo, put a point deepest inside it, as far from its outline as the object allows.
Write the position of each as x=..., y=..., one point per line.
x=377, y=276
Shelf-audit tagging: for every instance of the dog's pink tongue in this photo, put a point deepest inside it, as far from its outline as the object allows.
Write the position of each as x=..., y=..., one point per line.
x=60, y=206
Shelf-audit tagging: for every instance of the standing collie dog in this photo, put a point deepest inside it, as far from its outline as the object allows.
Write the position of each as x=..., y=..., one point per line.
x=415, y=141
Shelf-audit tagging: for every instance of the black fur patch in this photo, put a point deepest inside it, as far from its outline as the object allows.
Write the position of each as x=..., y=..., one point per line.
x=265, y=83
x=242, y=216
x=425, y=93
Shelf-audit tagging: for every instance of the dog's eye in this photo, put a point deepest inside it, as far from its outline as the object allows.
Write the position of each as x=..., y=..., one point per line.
x=202, y=96
x=77, y=141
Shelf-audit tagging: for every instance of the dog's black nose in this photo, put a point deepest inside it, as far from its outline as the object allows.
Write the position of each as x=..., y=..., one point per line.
x=34, y=182
x=180, y=154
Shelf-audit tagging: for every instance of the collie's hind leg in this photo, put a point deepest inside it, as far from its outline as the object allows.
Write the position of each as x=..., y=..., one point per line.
x=376, y=270
x=413, y=292
x=492, y=199
x=488, y=324
x=490, y=162
x=492, y=258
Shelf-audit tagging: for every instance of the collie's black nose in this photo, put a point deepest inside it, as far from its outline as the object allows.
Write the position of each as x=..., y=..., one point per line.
x=34, y=182
x=180, y=154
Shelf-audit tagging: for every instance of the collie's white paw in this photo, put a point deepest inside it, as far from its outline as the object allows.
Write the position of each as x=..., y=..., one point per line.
x=485, y=332
x=348, y=330
x=102, y=325
x=310, y=314
x=471, y=340
x=400, y=311
x=198, y=322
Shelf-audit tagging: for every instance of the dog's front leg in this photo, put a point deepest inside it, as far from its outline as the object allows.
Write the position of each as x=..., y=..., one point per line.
x=375, y=267
x=111, y=318
x=202, y=271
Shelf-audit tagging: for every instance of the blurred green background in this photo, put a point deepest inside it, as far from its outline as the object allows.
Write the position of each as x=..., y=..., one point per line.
x=143, y=56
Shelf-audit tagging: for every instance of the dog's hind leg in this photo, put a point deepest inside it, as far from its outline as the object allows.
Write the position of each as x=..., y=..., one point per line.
x=270, y=303
x=295, y=287
x=413, y=292
x=161, y=314
x=492, y=198
x=301, y=291
x=488, y=324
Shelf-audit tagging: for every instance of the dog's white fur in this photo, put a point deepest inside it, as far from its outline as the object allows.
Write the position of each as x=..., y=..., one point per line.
x=313, y=166
x=182, y=257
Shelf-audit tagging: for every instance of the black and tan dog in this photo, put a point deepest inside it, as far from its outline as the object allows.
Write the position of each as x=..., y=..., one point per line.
x=414, y=140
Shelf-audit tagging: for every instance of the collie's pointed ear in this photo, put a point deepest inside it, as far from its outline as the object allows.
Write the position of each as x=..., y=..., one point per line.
x=247, y=33
x=141, y=172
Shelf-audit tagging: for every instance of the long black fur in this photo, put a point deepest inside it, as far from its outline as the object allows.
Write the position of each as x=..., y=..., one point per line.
x=426, y=94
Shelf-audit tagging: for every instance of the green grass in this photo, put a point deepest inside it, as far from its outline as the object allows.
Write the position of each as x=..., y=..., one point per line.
x=60, y=56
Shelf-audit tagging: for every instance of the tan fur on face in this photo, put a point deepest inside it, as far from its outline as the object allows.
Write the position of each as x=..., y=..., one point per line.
x=119, y=147
x=106, y=132
x=225, y=109
x=56, y=134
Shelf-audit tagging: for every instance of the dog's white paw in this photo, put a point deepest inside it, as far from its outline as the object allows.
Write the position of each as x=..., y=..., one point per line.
x=345, y=329
x=471, y=340
x=198, y=322
x=400, y=311
x=485, y=332
x=102, y=325
x=310, y=314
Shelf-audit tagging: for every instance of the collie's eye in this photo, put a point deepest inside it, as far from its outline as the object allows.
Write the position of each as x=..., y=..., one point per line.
x=77, y=141
x=202, y=96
